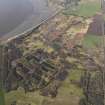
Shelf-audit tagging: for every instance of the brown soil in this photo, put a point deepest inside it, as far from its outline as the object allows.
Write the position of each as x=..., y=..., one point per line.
x=95, y=26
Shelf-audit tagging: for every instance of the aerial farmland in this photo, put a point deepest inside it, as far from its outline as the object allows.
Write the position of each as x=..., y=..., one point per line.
x=57, y=60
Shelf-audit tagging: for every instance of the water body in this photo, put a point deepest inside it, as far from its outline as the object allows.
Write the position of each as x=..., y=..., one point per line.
x=18, y=15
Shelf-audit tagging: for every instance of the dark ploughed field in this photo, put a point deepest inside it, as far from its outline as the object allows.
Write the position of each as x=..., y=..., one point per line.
x=95, y=26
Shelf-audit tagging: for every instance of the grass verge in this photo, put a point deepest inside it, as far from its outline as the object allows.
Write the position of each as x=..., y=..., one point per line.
x=91, y=41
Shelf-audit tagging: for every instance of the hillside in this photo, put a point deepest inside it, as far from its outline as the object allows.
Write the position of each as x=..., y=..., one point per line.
x=58, y=63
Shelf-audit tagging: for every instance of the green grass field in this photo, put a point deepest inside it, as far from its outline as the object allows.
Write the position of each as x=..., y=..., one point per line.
x=2, y=100
x=22, y=98
x=86, y=9
x=92, y=40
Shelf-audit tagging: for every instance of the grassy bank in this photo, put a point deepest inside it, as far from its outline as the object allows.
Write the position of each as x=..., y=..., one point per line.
x=92, y=40
x=2, y=100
